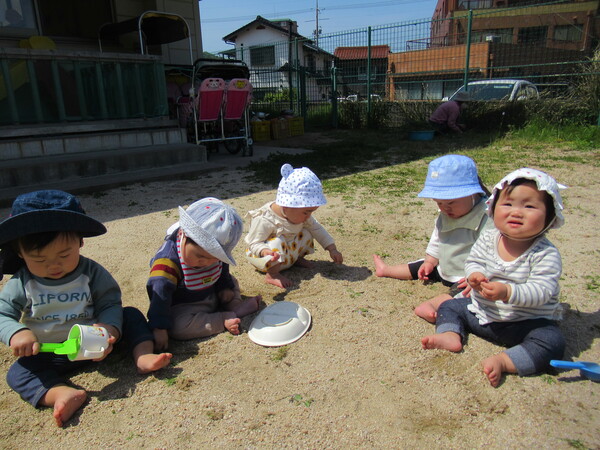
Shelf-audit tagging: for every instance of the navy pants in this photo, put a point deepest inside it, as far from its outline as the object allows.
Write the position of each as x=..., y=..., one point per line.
x=32, y=376
x=531, y=343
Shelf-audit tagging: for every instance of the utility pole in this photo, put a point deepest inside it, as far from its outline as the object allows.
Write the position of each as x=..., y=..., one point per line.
x=317, y=24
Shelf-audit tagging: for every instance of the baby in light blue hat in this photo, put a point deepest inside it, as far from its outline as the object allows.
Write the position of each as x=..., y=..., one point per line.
x=282, y=232
x=453, y=183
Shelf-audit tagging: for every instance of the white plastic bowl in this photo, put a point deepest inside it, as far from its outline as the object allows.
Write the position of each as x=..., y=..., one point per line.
x=279, y=324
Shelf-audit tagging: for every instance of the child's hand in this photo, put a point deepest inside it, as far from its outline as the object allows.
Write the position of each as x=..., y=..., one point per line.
x=495, y=291
x=269, y=252
x=475, y=280
x=466, y=289
x=113, y=336
x=161, y=339
x=424, y=271
x=336, y=256
x=24, y=343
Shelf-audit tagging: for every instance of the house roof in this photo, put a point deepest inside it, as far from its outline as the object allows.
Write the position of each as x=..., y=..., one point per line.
x=347, y=53
x=231, y=37
x=306, y=43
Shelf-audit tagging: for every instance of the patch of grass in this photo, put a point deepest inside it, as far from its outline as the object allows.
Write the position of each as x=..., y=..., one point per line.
x=593, y=283
x=171, y=381
x=363, y=311
x=280, y=353
x=215, y=414
x=297, y=399
x=576, y=443
x=370, y=228
x=548, y=379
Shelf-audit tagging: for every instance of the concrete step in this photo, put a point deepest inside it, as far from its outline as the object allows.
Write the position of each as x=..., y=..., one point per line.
x=92, y=171
x=17, y=147
x=48, y=169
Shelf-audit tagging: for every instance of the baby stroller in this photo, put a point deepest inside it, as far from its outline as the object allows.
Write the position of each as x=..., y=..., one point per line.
x=220, y=98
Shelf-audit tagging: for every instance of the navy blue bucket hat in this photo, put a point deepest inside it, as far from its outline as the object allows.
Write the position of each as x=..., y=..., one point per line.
x=40, y=212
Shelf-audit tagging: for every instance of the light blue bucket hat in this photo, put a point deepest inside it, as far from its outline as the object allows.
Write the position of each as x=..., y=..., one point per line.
x=213, y=225
x=450, y=177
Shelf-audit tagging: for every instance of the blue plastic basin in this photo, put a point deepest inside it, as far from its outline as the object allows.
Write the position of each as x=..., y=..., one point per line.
x=420, y=135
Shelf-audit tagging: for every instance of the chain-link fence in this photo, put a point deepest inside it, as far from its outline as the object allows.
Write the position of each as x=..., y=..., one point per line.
x=340, y=75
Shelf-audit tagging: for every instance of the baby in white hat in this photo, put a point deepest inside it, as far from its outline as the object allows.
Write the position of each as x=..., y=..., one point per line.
x=514, y=271
x=192, y=294
x=282, y=232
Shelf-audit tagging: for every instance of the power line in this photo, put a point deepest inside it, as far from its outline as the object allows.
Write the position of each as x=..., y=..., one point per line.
x=304, y=11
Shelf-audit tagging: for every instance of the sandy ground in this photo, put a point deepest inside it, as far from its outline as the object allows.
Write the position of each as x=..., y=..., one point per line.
x=359, y=377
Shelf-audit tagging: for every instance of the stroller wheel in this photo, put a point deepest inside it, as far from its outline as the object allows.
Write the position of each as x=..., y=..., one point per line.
x=233, y=146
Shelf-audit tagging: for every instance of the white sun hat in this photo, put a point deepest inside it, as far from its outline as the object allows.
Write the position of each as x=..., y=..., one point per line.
x=213, y=225
x=299, y=188
x=543, y=181
x=279, y=324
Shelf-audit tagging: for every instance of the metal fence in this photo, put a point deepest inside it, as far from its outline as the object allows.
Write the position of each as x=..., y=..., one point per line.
x=547, y=43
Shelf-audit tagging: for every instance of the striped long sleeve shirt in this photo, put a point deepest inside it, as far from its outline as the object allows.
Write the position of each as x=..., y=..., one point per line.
x=533, y=278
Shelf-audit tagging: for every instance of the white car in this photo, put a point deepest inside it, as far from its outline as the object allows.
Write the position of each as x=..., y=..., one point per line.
x=500, y=89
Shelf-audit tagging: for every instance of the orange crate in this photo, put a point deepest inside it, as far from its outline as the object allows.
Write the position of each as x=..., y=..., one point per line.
x=261, y=131
x=280, y=129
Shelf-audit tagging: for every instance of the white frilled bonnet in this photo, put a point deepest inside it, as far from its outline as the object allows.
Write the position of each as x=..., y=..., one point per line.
x=543, y=181
x=299, y=188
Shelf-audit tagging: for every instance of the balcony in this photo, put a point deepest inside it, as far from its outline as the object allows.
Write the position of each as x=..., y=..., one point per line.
x=49, y=86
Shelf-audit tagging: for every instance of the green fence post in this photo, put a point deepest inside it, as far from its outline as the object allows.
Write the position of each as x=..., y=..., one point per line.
x=369, y=77
x=60, y=101
x=334, y=103
x=468, y=50
x=35, y=91
x=10, y=94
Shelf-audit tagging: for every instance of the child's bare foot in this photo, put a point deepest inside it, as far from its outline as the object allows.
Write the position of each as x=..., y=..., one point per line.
x=232, y=325
x=426, y=311
x=248, y=306
x=449, y=340
x=301, y=262
x=65, y=400
x=276, y=279
x=495, y=366
x=380, y=266
x=152, y=362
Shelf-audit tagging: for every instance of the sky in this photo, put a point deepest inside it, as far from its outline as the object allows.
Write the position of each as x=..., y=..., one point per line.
x=220, y=17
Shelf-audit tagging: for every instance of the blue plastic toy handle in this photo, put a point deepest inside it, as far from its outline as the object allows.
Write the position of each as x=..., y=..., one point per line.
x=567, y=364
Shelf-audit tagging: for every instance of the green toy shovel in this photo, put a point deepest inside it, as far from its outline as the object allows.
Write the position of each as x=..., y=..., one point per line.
x=69, y=347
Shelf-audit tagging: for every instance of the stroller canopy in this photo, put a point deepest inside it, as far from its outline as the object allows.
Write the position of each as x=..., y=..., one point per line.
x=153, y=27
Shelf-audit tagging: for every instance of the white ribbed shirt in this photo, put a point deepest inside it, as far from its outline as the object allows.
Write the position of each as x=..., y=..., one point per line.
x=533, y=278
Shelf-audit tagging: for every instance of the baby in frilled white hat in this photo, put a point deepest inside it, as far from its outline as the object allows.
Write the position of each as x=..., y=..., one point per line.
x=282, y=232
x=514, y=271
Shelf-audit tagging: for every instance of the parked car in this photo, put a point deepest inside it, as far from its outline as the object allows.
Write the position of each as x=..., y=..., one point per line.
x=362, y=98
x=500, y=89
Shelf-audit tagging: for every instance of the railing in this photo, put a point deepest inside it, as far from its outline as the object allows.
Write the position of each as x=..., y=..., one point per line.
x=47, y=86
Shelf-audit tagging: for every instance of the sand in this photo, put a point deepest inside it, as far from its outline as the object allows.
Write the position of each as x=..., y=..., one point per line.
x=359, y=377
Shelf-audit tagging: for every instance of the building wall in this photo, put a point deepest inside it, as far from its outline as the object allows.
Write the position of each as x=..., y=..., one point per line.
x=176, y=52
x=450, y=23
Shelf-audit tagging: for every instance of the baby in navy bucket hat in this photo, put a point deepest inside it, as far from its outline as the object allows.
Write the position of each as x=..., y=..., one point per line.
x=453, y=184
x=192, y=293
x=282, y=231
x=54, y=288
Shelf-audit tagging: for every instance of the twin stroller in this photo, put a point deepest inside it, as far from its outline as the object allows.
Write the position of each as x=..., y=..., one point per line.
x=218, y=107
